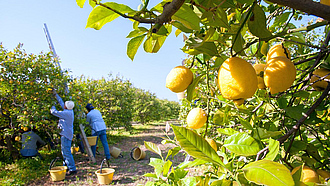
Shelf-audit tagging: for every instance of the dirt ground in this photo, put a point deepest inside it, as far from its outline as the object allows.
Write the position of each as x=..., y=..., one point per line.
x=127, y=170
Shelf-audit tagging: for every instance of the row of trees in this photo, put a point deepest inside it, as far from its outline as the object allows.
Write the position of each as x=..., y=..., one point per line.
x=262, y=140
x=26, y=97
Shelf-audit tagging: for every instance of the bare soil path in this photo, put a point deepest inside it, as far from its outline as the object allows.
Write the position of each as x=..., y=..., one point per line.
x=128, y=171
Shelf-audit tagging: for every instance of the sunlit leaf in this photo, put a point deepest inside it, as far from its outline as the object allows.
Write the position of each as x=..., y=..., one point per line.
x=133, y=45
x=257, y=23
x=153, y=147
x=153, y=43
x=242, y=144
x=191, y=87
x=80, y=3
x=195, y=145
x=273, y=147
x=266, y=172
x=187, y=17
x=100, y=15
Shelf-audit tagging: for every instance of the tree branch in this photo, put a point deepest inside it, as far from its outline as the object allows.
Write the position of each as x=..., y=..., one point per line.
x=307, y=6
x=305, y=115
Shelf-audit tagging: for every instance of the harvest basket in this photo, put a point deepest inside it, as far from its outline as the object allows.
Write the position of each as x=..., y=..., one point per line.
x=91, y=140
x=105, y=175
x=57, y=173
x=115, y=152
x=137, y=153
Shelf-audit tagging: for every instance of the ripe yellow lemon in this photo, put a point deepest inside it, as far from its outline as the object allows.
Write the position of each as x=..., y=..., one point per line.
x=212, y=143
x=307, y=175
x=196, y=118
x=179, y=79
x=325, y=2
x=237, y=80
x=279, y=74
x=276, y=51
x=17, y=138
x=320, y=85
x=259, y=68
x=25, y=128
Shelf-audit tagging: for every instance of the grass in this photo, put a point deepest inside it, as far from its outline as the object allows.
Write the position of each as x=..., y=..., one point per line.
x=23, y=171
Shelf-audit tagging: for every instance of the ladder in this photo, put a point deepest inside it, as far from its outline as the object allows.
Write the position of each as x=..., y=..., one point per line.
x=52, y=49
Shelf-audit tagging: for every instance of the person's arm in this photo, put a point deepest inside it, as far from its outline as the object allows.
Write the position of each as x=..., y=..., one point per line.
x=57, y=113
x=40, y=140
x=58, y=98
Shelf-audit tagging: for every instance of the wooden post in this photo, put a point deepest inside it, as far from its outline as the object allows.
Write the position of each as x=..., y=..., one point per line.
x=86, y=144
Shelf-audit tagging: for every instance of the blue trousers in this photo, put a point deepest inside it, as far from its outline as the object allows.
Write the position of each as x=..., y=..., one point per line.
x=66, y=153
x=102, y=134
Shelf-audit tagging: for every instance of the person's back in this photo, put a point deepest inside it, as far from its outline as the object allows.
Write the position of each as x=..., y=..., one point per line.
x=94, y=117
x=29, y=144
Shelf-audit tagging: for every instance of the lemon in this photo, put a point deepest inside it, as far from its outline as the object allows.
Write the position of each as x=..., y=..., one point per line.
x=276, y=51
x=25, y=129
x=320, y=85
x=212, y=143
x=179, y=79
x=196, y=118
x=237, y=80
x=307, y=175
x=259, y=68
x=325, y=2
x=279, y=74
x=17, y=138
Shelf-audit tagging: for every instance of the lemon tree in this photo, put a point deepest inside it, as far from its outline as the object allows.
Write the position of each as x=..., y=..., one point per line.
x=262, y=133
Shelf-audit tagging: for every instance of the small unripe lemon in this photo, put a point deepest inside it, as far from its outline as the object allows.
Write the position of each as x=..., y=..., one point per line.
x=279, y=74
x=276, y=51
x=320, y=85
x=260, y=68
x=196, y=118
x=17, y=138
x=212, y=143
x=237, y=80
x=179, y=79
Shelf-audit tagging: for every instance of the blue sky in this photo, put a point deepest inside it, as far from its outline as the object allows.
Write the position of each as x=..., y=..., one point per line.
x=89, y=52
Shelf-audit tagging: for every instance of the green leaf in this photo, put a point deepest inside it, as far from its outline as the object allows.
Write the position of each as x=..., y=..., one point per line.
x=189, y=181
x=216, y=18
x=195, y=145
x=150, y=175
x=227, y=131
x=296, y=112
x=246, y=124
x=153, y=147
x=191, y=87
x=242, y=144
x=167, y=167
x=282, y=102
x=187, y=17
x=264, y=134
x=266, y=172
x=158, y=165
x=208, y=48
x=188, y=164
x=153, y=43
x=273, y=147
x=100, y=15
x=173, y=152
x=181, y=27
x=133, y=46
x=257, y=23
x=138, y=32
x=239, y=44
x=249, y=2
x=80, y=3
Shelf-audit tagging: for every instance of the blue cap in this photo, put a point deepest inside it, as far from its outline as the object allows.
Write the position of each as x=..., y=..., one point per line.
x=89, y=107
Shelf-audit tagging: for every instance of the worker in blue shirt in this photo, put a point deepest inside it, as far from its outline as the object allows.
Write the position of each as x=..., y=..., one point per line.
x=30, y=141
x=66, y=118
x=94, y=118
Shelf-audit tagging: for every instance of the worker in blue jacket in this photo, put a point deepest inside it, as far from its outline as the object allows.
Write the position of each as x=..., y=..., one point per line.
x=94, y=118
x=66, y=118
